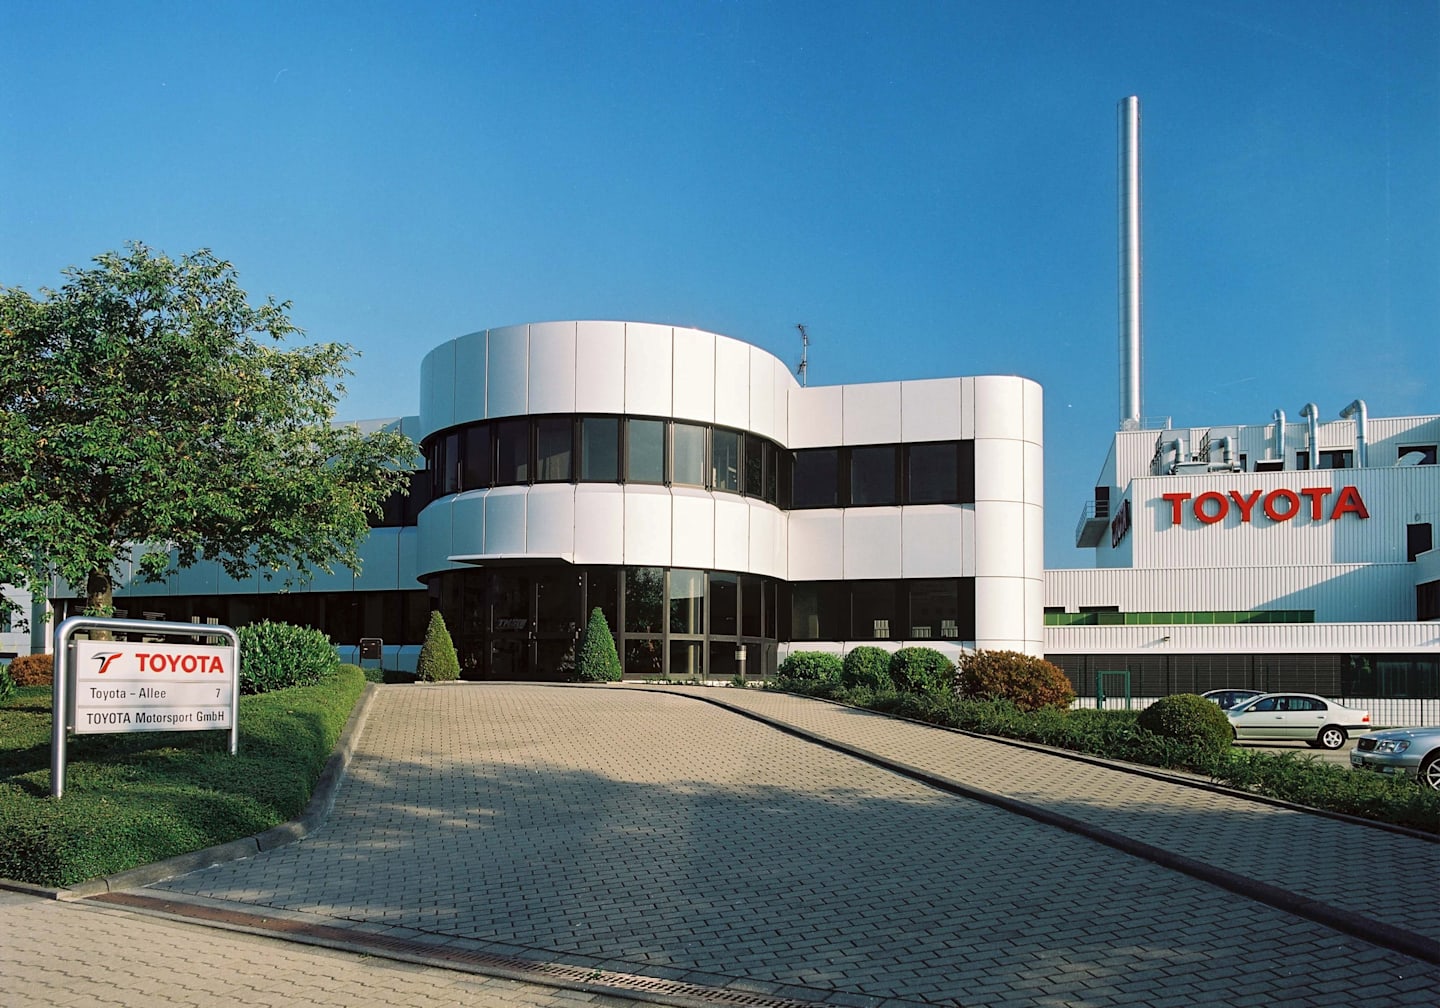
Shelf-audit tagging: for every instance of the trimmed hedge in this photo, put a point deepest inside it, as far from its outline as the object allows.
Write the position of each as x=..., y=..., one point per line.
x=1189, y=718
x=866, y=667
x=131, y=799
x=922, y=670
x=808, y=670
x=280, y=655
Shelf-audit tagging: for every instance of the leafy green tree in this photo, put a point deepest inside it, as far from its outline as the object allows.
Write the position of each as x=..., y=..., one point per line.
x=597, y=660
x=438, y=661
x=148, y=410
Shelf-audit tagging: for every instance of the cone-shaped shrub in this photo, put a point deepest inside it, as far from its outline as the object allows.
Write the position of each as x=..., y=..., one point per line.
x=597, y=660
x=438, y=662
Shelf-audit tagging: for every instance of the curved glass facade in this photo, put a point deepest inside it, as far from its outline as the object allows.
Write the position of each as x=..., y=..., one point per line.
x=524, y=622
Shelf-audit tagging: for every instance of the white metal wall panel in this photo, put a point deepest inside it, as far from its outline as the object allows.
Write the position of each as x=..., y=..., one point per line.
x=550, y=520
x=762, y=395
x=732, y=383
x=1000, y=613
x=1334, y=592
x=817, y=545
x=599, y=523
x=600, y=367
x=432, y=537
x=930, y=410
x=647, y=526
x=999, y=470
x=694, y=375
x=204, y=579
x=552, y=368
x=931, y=538
x=732, y=533
x=437, y=387
x=1034, y=429
x=692, y=528
x=871, y=413
x=768, y=540
x=408, y=569
x=817, y=418
x=872, y=543
x=1000, y=407
x=1034, y=611
x=1033, y=545
x=467, y=523
x=782, y=381
x=467, y=378
x=648, y=369
x=1262, y=638
x=340, y=578
x=508, y=373
x=1392, y=497
x=1034, y=463
x=505, y=520
x=999, y=539
x=380, y=561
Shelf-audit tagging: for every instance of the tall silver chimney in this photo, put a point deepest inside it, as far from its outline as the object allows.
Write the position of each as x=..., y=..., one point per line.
x=1130, y=263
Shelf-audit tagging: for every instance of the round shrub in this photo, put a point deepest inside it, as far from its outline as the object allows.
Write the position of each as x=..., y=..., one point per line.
x=808, y=670
x=597, y=660
x=279, y=655
x=922, y=670
x=866, y=667
x=438, y=661
x=1028, y=682
x=1188, y=718
x=33, y=670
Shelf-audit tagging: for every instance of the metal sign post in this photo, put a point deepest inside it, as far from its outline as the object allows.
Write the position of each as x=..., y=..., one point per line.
x=124, y=686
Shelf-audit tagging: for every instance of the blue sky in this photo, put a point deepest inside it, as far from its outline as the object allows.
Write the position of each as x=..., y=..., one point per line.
x=929, y=187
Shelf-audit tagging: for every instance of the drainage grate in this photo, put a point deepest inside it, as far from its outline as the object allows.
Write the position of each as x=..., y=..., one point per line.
x=510, y=967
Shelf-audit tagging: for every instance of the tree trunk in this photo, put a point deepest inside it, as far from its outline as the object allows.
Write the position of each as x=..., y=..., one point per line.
x=99, y=600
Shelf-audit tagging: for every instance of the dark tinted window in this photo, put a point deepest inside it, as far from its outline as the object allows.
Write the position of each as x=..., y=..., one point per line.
x=554, y=449
x=725, y=460
x=873, y=476
x=816, y=478
x=512, y=452
x=645, y=451
x=932, y=473
x=600, y=449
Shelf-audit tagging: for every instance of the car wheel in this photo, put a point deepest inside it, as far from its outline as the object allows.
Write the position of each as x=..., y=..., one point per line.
x=1330, y=737
x=1430, y=771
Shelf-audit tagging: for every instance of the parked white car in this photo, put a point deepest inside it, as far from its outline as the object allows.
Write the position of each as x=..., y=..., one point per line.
x=1322, y=723
x=1409, y=752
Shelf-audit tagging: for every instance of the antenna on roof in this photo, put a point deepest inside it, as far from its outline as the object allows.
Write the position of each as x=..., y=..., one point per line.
x=804, y=353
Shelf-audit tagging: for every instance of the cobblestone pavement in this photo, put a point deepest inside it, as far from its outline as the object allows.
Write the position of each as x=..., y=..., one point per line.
x=646, y=833
x=1330, y=860
x=82, y=954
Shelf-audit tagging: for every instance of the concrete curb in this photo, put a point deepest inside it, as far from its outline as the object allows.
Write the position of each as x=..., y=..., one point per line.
x=322, y=801
x=1347, y=922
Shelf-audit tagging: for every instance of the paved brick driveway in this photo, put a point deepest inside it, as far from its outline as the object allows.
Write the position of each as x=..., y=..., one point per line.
x=652, y=834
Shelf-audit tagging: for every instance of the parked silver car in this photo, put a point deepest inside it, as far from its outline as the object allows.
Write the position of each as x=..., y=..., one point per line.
x=1322, y=723
x=1228, y=698
x=1410, y=752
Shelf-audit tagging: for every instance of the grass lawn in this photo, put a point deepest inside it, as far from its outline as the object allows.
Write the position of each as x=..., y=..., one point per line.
x=136, y=798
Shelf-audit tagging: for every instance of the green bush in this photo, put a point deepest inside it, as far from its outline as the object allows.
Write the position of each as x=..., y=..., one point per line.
x=808, y=670
x=1028, y=682
x=280, y=655
x=922, y=670
x=1188, y=718
x=7, y=685
x=597, y=660
x=866, y=667
x=438, y=661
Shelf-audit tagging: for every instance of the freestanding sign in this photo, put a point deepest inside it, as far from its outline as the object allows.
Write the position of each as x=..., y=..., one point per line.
x=125, y=686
